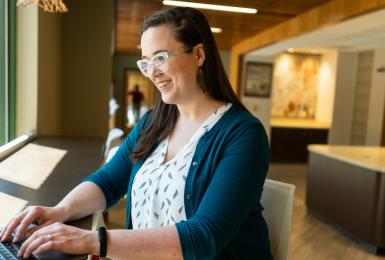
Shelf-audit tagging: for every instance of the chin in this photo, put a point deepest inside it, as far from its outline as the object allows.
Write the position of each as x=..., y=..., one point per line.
x=168, y=100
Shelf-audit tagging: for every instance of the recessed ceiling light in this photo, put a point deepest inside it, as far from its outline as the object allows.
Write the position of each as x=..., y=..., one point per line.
x=216, y=30
x=211, y=7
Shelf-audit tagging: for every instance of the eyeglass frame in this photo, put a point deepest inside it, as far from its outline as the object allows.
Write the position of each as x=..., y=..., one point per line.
x=167, y=55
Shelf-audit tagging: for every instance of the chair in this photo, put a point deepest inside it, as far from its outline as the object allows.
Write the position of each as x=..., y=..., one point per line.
x=113, y=135
x=111, y=153
x=102, y=218
x=277, y=199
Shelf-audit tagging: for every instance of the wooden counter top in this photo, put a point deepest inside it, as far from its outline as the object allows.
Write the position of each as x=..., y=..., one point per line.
x=298, y=123
x=369, y=157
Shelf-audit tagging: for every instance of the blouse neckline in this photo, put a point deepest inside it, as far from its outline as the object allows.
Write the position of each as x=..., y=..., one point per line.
x=204, y=128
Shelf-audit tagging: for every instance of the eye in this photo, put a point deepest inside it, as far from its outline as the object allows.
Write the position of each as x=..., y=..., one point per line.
x=160, y=58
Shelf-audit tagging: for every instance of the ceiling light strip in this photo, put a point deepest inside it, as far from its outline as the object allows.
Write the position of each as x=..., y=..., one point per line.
x=211, y=7
x=216, y=30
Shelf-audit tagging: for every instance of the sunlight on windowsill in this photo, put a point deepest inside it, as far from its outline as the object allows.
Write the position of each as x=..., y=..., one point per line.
x=31, y=165
x=10, y=207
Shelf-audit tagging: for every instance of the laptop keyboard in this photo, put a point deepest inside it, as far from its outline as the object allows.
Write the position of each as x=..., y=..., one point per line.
x=9, y=250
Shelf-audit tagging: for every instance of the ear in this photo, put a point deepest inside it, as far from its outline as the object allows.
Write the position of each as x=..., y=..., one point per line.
x=200, y=54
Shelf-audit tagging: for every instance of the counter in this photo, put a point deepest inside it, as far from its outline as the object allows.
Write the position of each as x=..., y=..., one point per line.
x=290, y=138
x=346, y=187
x=372, y=158
x=298, y=123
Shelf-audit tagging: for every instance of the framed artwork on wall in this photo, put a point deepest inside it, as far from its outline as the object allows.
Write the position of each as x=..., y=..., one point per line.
x=258, y=79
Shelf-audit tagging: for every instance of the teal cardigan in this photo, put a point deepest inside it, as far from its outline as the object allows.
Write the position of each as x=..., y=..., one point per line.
x=222, y=190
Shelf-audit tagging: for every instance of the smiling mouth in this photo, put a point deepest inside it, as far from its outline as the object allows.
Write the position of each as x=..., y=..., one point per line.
x=161, y=85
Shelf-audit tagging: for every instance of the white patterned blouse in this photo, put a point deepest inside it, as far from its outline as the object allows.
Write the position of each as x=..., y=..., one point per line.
x=157, y=197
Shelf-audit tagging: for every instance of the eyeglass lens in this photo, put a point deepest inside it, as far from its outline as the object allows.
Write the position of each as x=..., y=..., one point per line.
x=157, y=63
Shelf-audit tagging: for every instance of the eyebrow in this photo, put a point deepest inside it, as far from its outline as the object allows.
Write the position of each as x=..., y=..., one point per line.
x=158, y=51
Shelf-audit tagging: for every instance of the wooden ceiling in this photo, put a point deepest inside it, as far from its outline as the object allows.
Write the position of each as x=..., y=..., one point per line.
x=235, y=26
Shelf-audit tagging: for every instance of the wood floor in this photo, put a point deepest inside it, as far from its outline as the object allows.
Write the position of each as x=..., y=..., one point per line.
x=311, y=239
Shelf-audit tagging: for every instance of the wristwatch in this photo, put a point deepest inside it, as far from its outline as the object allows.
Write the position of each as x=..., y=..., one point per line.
x=102, y=234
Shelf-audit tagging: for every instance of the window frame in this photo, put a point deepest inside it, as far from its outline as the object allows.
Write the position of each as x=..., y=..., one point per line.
x=7, y=71
x=12, y=71
x=3, y=65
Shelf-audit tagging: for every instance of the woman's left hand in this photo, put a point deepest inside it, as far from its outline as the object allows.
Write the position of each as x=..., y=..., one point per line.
x=58, y=236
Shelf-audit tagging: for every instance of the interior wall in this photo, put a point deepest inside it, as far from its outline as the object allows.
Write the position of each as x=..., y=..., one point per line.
x=383, y=131
x=326, y=87
x=340, y=130
x=375, y=129
x=87, y=65
x=225, y=57
x=260, y=107
x=49, y=107
x=26, y=69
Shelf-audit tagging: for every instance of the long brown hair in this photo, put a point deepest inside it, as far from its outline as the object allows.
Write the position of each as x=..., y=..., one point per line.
x=190, y=27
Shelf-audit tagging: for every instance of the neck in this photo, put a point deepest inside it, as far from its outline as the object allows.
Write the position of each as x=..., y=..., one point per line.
x=198, y=109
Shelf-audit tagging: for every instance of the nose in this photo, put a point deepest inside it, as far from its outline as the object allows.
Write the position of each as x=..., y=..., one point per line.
x=154, y=72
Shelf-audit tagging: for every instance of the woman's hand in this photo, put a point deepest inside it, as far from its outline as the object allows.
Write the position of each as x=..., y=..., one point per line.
x=43, y=215
x=58, y=236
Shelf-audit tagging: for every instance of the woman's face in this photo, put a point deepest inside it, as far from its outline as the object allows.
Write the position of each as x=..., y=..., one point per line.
x=177, y=83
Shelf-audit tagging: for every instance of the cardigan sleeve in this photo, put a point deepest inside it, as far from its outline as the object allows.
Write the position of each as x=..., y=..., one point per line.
x=233, y=193
x=113, y=177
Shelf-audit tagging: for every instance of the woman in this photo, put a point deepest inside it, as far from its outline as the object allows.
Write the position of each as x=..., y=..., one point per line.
x=193, y=168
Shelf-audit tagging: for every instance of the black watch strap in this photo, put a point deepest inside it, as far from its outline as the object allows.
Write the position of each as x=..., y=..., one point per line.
x=102, y=233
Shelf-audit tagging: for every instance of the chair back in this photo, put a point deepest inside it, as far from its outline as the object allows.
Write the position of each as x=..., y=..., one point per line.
x=111, y=153
x=113, y=134
x=277, y=199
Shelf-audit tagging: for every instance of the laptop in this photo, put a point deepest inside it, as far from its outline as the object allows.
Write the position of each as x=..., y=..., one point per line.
x=9, y=250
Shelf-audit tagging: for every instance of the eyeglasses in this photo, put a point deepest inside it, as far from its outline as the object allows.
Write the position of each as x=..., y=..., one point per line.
x=158, y=63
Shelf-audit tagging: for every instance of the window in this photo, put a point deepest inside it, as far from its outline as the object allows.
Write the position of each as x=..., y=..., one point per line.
x=7, y=70
x=3, y=94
